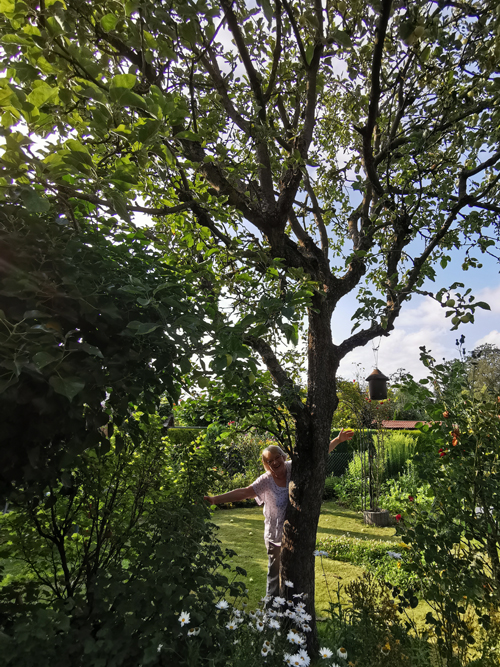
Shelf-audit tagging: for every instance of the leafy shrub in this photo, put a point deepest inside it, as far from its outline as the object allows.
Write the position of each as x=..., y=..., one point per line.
x=401, y=495
x=330, y=490
x=112, y=554
x=351, y=486
x=372, y=627
x=399, y=448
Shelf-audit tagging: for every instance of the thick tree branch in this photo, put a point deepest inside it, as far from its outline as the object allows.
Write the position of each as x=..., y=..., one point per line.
x=297, y=228
x=418, y=263
x=296, y=31
x=253, y=76
x=276, y=54
x=375, y=92
x=361, y=338
x=278, y=373
x=467, y=173
x=318, y=216
x=212, y=67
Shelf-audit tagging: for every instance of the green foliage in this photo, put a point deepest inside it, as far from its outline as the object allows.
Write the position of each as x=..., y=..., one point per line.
x=109, y=109
x=88, y=329
x=354, y=549
x=180, y=437
x=401, y=495
x=329, y=492
x=373, y=628
x=111, y=557
x=398, y=449
x=455, y=544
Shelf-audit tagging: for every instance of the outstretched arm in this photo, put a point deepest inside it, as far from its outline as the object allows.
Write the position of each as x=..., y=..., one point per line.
x=342, y=437
x=232, y=496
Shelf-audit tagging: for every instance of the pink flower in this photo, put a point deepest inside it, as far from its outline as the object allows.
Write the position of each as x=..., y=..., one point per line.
x=411, y=499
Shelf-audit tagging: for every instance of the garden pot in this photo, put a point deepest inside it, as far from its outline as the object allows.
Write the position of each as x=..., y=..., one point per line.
x=377, y=517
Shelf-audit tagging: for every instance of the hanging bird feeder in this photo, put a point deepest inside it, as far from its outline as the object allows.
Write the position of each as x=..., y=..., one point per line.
x=377, y=385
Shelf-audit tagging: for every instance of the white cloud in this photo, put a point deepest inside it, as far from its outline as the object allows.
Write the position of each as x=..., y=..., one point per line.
x=493, y=338
x=423, y=325
x=492, y=297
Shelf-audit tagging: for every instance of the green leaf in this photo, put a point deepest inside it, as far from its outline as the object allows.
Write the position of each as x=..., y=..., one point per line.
x=33, y=201
x=127, y=98
x=142, y=328
x=121, y=81
x=120, y=205
x=148, y=130
x=309, y=55
x=41, y=94
x=108, y=22
x=7, y=6
x=42, y=359
x=342, y=38
x=91, y=349
x=69, y=386
x=187, y=134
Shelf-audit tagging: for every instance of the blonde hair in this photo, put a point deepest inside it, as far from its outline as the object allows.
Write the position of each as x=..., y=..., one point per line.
x=272, y=449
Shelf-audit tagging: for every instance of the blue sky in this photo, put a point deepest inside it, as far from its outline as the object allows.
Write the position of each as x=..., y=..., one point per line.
x=423, y=322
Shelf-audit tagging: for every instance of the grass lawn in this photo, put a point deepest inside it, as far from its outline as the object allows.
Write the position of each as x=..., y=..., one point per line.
x=242, y=529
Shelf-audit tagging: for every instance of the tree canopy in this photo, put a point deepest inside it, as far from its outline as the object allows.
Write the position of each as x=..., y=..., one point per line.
x=299, y=151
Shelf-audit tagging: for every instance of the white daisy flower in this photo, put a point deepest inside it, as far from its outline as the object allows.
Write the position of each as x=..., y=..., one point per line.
x=287, y=658
x=297, y=660
x=273, y=623
x=259, y=626
x=305, y=616
x=289, y=584
x=222, y=604
x=232, y=624
x=298, y=595
x=305, y=657
x=342, y=653
x=252, y=614
x=300, y=605
x=183, y=618
x=295, y=638
x=277, y=602
x=193, y=632
x=305, y=627
x=160, y=646
x=237, y=612
x=325, y=653
x=320, y=553
x=264, y=651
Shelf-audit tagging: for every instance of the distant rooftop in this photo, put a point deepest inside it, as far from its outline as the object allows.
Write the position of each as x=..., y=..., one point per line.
x=396, y=423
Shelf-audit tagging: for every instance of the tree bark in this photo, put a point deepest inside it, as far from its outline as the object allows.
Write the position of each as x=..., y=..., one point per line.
x=309, y=465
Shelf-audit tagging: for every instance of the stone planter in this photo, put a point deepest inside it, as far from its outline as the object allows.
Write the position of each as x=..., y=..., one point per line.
x=377, y=517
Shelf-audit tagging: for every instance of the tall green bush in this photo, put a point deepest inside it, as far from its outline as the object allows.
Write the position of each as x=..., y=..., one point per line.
x=454, y=546
x=112, y=556
x=399, y=448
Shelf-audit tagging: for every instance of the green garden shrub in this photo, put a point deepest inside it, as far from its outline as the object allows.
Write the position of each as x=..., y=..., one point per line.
x=112, y=555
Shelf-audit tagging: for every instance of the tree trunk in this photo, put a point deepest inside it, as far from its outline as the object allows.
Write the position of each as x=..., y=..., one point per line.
x=309, y=465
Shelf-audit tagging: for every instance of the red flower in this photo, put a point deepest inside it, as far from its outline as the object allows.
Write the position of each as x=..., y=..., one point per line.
x=411, y=499
x=229, y=423
x=398, y=517
x=441, y=453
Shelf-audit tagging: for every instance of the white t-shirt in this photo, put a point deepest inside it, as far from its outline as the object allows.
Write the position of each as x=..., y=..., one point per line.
x=275, y=500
